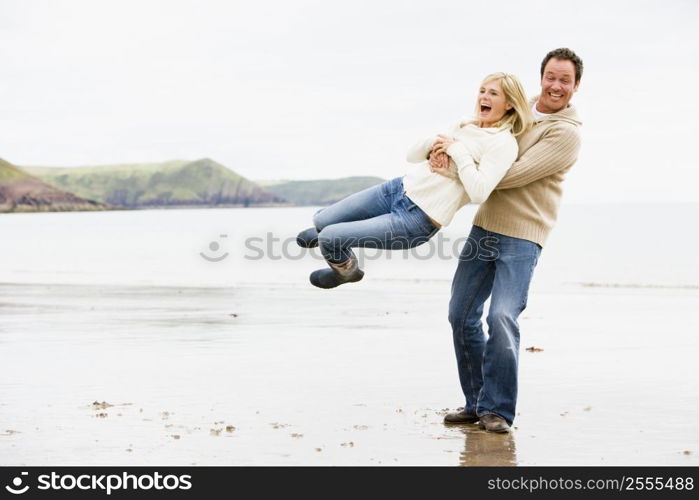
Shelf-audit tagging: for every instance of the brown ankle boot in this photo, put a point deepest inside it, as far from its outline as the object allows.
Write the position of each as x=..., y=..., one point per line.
x=460, y=417
x=493, y=423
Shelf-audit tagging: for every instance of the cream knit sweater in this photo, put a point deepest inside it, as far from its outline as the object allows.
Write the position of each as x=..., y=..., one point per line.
x=525, y=203
x=479, y=159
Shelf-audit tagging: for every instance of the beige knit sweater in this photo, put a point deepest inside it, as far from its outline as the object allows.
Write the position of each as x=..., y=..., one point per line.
x=525, y=203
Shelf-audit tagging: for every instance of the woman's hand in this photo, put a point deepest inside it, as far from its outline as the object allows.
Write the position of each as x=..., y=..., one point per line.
x=439, y=164
x=442, y=144
x=438, y=161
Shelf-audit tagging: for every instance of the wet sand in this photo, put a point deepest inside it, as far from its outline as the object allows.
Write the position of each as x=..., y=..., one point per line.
x=289, y=375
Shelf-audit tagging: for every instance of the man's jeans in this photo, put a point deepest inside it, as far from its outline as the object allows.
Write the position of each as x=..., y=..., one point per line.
x=378, y=217
x=501, y=266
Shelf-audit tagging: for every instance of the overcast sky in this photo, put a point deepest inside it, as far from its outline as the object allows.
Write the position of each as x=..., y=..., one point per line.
x=323, y=89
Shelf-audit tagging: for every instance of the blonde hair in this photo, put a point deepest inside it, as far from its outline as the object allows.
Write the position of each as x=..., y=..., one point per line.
x=518, y=119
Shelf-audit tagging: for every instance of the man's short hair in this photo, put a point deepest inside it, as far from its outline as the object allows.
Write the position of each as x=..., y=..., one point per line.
x=565, y=54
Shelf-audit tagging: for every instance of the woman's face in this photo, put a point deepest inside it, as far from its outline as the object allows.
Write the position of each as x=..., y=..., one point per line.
x=492, y=104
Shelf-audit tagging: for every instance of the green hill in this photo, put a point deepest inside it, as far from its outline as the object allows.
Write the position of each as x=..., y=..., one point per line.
x=174, y=183
x=21, y=192
x=319, y=192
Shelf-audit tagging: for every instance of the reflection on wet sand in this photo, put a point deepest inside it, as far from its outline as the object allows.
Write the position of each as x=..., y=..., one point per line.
x=483, y=448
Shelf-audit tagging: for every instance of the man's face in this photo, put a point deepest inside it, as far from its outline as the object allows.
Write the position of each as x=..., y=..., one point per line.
x=557, y=85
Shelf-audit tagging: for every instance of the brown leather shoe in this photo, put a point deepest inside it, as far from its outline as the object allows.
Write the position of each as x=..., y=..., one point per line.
x=493, y=423
x=460, y=417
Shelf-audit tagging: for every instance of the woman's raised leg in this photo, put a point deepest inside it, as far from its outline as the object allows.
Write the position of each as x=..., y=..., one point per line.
x=401, y=229
x=370, y=202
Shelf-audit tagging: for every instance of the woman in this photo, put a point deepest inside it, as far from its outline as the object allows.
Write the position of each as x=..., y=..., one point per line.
x=407, y=211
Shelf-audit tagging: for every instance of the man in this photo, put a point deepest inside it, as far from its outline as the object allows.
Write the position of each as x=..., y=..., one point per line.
x=515, y=220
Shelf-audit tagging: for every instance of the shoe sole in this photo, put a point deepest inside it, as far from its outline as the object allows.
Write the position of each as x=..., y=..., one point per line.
x=358, y=277
x=471, y=420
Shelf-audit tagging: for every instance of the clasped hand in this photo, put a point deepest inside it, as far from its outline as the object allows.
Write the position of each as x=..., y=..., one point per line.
x=439, y=160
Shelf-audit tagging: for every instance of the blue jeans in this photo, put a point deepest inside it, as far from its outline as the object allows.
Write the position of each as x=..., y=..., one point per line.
x=378, y=217
x=500, y=266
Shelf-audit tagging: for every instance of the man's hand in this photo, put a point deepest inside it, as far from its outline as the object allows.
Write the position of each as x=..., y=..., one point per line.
x=439, y=164
x=438, y=160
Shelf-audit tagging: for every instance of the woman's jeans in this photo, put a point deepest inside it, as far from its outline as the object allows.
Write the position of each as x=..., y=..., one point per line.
x=378, y=217
x=499, y=266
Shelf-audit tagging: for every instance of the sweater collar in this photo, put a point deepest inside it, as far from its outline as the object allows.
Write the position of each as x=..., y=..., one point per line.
x=568, y=114
x=488, y=130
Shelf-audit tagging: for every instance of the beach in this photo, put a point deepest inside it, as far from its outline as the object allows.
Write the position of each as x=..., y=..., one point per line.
x=364, y=383
x=108, y=359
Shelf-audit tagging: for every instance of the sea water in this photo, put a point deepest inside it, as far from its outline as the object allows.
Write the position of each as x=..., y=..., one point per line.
x=609, y=245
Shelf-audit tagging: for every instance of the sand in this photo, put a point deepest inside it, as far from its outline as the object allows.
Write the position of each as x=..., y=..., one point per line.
x=269, y=374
